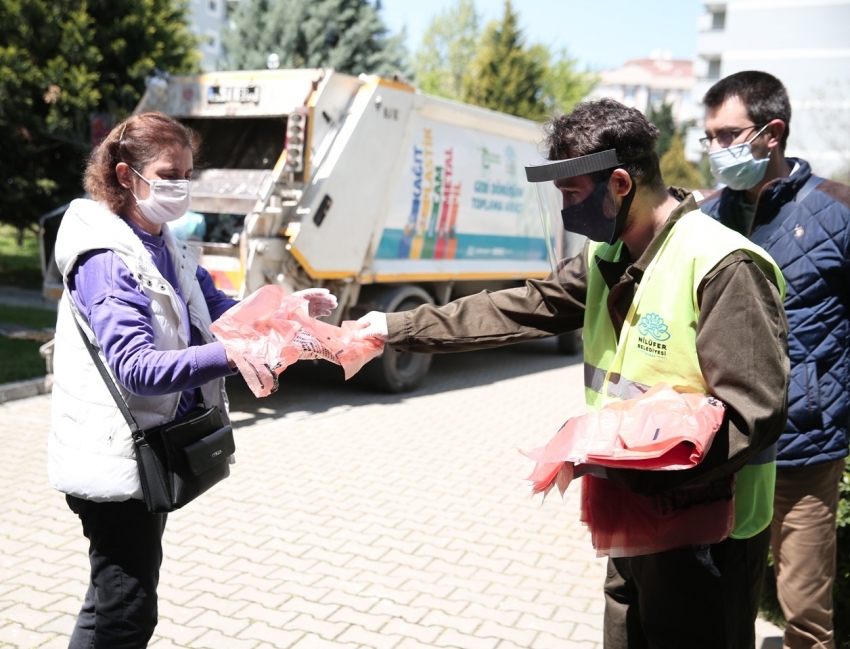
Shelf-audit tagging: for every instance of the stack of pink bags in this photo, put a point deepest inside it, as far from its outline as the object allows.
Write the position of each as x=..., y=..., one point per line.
x=663, y=430
x=271, y=329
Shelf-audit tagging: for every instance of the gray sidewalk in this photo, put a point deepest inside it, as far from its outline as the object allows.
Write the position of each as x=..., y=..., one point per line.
x=350, y=520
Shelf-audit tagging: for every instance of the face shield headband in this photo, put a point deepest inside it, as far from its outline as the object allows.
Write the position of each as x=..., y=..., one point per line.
x=595, y=216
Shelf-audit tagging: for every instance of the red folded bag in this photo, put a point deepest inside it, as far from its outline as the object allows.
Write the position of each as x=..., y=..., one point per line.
x=662, y=430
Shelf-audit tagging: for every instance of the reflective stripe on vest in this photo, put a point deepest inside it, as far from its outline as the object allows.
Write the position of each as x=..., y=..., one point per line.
x=658, y=339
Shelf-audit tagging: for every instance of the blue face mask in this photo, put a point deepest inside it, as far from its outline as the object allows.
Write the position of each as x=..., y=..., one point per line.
x=736, y=167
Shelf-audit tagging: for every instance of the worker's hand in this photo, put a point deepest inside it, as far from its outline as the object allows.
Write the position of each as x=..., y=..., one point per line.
x=374, y=325
x=320, y=301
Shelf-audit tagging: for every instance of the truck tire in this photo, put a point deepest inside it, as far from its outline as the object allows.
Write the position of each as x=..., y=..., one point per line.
x=394, y=371
x=570, y=344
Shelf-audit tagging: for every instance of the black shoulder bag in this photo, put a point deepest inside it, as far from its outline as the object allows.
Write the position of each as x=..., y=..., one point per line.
x=178, y=460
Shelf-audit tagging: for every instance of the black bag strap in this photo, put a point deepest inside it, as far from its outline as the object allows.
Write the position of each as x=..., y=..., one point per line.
x=135, y=431
x=110, y=384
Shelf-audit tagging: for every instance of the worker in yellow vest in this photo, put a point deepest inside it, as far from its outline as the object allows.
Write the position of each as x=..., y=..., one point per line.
x=664, y=294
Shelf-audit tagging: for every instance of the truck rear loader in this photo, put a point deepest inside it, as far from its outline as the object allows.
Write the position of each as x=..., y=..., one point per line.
x=388, y=197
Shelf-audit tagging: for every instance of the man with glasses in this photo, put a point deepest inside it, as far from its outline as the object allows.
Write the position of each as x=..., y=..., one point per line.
x=804, y=223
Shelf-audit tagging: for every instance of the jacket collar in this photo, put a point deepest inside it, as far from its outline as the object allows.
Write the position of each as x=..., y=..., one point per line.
x=771, y=197
x=613, y=270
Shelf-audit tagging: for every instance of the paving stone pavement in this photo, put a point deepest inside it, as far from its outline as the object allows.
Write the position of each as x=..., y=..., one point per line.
x=351, y=519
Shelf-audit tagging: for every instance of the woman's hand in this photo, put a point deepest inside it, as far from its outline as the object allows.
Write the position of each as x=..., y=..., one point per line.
x=320, y=301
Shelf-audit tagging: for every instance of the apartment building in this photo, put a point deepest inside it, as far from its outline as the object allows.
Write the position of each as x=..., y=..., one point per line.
x=643, y=83
x=207, y=18
x=802, y=42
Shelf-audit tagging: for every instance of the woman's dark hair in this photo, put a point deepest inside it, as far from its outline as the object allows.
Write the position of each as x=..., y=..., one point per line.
x=596, y=126
x=762, y=94
x=137, y=141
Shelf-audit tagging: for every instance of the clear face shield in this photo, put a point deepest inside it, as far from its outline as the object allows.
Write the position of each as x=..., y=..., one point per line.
x=575, y=206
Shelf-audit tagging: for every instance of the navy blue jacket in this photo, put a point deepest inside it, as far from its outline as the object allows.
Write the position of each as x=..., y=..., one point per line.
x=810, y=240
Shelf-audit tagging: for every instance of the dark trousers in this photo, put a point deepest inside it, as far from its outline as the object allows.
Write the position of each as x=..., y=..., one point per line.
x=125, y=553
x=670, y=600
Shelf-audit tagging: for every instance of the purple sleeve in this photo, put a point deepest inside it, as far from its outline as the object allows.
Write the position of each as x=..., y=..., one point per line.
x=217, y=302
x=119, y=314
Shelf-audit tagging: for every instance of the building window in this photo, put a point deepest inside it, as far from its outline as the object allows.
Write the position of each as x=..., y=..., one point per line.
x=718, y=20
x=212, y=7
x=713, y=70
x=211, y=43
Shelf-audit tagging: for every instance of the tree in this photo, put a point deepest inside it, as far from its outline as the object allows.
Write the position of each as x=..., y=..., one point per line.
x=676, y=170
x=564, y=86
x=450, y=42
x=58, y=66
x=347, y=35
x=506, y=76
x=662, y=116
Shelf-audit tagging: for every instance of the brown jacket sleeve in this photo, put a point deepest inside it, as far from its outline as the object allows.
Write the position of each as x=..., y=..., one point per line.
x=539, y=309
x=742, y=344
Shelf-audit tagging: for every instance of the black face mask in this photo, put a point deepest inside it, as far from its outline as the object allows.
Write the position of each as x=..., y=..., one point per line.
x=595, y=217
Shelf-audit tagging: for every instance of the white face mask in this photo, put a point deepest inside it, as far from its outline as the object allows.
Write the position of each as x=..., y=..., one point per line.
x=736, y=167
x=168, y=200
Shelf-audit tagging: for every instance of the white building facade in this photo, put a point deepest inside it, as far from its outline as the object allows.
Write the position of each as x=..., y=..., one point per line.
x=650, y=82
x=207, y=19
x=805, y=44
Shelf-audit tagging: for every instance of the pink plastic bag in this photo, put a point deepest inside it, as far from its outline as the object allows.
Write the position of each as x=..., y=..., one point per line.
x=661, y=430
x=270, y=329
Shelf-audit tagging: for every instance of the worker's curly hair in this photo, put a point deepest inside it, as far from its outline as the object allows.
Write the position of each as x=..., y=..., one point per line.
x=137, y=141
x=595, y=126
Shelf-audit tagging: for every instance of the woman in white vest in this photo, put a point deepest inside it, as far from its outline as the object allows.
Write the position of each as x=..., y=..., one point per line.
x=146, y=306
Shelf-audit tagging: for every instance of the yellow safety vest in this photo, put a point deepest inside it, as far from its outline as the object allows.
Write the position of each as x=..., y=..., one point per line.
x=658, y=339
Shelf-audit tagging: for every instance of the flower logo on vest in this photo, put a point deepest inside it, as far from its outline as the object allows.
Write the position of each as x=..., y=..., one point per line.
x=653, y=325
x=653, y=333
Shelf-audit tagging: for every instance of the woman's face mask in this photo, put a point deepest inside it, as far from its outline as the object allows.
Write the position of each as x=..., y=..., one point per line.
x=167, y=202
x=736, y=167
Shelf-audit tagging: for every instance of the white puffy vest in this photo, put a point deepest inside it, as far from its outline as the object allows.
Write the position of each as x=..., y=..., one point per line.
x=90, y=450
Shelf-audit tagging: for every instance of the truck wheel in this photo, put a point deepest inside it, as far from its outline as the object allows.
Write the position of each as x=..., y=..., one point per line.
x=570, y=344
x=395, y=371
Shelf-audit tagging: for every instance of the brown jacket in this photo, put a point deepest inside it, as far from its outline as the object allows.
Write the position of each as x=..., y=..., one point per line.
x=742, y=336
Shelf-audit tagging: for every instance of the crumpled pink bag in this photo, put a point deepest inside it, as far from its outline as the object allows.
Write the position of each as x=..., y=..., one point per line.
x=660, y=430
x=270, y=330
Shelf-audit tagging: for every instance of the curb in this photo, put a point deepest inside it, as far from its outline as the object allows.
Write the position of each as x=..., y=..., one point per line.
x=768, y=635
x=25, y=389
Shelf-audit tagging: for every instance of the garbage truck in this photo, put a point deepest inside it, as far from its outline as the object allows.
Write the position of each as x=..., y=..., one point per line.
x=388, y=197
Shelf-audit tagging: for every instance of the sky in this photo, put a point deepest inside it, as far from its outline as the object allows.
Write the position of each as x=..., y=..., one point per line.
x=599, y=33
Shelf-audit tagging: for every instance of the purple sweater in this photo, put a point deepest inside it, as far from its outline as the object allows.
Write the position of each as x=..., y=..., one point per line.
x=119, y=314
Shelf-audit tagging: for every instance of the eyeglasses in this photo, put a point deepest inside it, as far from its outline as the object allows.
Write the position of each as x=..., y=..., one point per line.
x=725, y=138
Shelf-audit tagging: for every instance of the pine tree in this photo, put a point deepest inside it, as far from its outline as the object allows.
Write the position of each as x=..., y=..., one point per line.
x=61, y=61
x=676, y=170
x=662, y=116
x=347, y=35
x=506, y=76
x=564, y=86
x=450, y=42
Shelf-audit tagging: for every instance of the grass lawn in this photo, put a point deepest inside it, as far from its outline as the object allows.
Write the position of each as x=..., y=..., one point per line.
x=21, y=359
x=20, y=266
